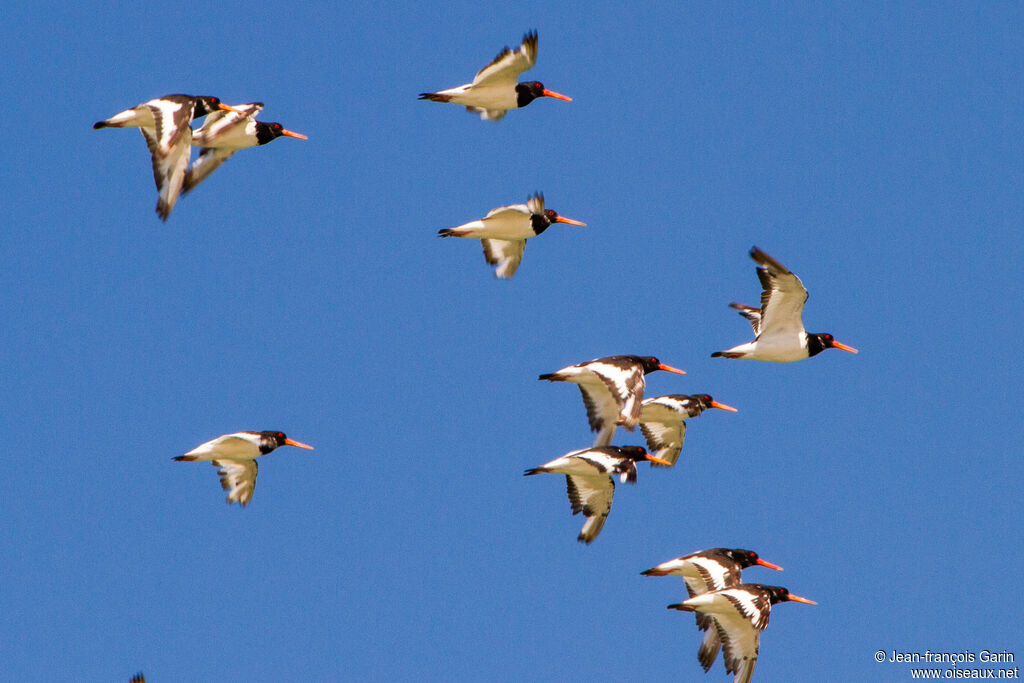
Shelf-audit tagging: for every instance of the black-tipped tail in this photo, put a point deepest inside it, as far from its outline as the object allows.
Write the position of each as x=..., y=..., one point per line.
x=446, y=232
x=99, y=124
x=435, y=97
x=534, y=470
x=549, y=376
x=681, y=607
x=185, y=458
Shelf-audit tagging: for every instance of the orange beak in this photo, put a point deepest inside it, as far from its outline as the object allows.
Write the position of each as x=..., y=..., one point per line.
x=659, y=461
x=289, y=442
x=293, y=135
x=764, y=563
x=557, y=96
x=722, y=406
x=797, y=598
x=844, y=347
x=669, y=368
x=563, y=219
x=225, y=107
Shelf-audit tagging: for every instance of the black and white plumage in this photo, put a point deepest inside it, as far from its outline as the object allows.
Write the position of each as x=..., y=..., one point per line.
x=504, y=231
x=663, y=421
x=494, y=90
x=709, y=570
x=224, y=133
x=778, y=325
x=235, y=455
x=165, y=123
x=588, y=475
x=612, y=389
x=739, y=614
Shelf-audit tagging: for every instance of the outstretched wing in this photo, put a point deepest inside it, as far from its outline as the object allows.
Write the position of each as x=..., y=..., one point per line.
x=168, y=167
x=751, y=314
x=171, y=117
x=536, y=203
x=663, y=426
x=782, y=299
x=210, y=159
x=238, y=478
x=740, y=644
x=220, y=123
x=504, y=254
x=506, y=67
x=591, y=495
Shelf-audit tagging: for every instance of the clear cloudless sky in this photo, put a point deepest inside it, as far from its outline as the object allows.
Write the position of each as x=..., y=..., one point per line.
x=873, y=148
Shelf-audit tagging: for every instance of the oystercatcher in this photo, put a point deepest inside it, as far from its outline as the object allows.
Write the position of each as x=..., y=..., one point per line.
x=494, y=89
x=740, y=613
x=588, y=475
x=663, y=421
x=709, y=570
x=165, y=123
x=235, y=455
x=224, y=133
x=504, y=231
x=612, y=390
x=778, y=324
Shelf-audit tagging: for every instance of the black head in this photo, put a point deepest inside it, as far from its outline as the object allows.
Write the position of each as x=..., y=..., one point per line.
x=206, y=104
x=269, y=440
x=819, y=341
x=777, y=594
x=649, y=363
x=744, y=558
x=528, y=92
x=703, y=401
x=265, y=132
x=636, y=453
x=543, y=221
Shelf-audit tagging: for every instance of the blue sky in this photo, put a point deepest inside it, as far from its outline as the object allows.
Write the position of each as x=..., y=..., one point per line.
x=876, y=150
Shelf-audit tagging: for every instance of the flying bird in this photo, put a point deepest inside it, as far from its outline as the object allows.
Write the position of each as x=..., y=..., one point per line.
x=740, y=613
x=494, y=90
x=709, y=570
x=588, y=475
x=778, y=324
x=504, y=231
x=612, y=390
x=663, y=421
x=224, y=133
x=235, y=455
x=165, y=123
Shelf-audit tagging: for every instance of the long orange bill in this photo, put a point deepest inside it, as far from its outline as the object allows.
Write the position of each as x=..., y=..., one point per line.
x=765, y=563
x=665, y=463
x=225, y=107
x=844, y=347
x=557, y=96
x=293, y=135
x=797, y=598
x=722, y=406
x=289, y=442
x=563, y=219
x=669, y=368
